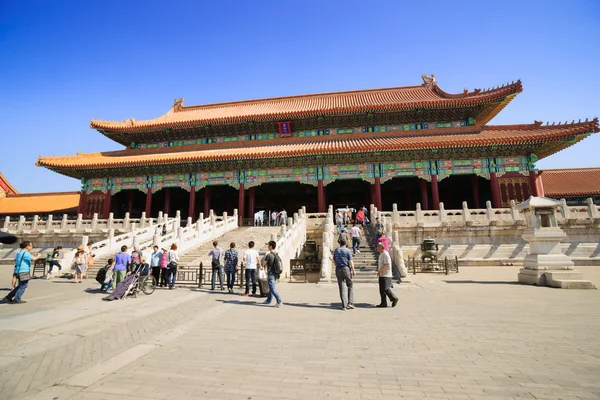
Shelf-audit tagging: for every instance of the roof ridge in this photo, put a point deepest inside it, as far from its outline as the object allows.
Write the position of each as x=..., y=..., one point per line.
x=539, y=124
x=17, y=195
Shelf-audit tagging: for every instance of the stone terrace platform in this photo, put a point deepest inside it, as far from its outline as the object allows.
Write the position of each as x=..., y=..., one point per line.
x=472, y=335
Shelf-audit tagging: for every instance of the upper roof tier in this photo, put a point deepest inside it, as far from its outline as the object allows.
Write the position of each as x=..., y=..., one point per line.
x=458, y=143
x=482, y=105
x=571, y=182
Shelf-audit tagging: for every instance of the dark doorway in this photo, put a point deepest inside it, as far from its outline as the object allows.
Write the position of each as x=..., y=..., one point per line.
x=470, y=188
x=158, y=202
x=290, y=196
x=223, y=198
x=180, y=201
x=405, y=192
x=354, y=193
x=121, y=202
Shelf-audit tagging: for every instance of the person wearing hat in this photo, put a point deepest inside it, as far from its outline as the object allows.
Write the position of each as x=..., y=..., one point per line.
x=79, y=263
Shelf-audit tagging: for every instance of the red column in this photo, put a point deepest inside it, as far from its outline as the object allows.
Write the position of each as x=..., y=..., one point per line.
x=241, y=205
x=540, y=185
x=320, y=196
x=496, y=201
x=372, y=199
x=130, y=197
x=251, y=202
x=378, y=193
x=167, y=205
x=435, y=193
x=106, y=208
x=424, y=195
x=533, y=189
x=206, y=201
x=81, y=206
x=192, y=206
x=148, y=202
x=475, y=187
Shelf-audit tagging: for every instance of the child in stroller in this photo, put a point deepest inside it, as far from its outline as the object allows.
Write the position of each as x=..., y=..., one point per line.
x=138, y=278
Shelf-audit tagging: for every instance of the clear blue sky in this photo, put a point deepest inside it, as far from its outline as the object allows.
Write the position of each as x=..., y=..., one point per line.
x=64, y=62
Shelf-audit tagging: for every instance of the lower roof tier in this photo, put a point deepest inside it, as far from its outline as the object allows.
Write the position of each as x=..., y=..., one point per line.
x=459, y=143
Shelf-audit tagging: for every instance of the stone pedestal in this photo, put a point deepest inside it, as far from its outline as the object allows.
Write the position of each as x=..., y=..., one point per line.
x=546, y=265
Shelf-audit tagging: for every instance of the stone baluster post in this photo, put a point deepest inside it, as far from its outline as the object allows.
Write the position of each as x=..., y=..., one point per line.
x=111, y=240
x=466, y=214
x=143, y=220
x=225, y=220
x=489, y=211
x=395, y=214
x=95, y=221
x=78, y=222
x=200, y=222
x=133, y=226
x=5, y=225
x=159, y=219
x=564, y=209
x=177, y=219
x=442, y=212
x=282, y=230
x=49, y=222
x=150, y=222
x=110, y=221
x=126, y=222
x=63, y=222
x=157, y=237
x=296, y=218
x=20, y=223
x=34, y=224
x=419, y=214
x=514, y=213
x=180, y=236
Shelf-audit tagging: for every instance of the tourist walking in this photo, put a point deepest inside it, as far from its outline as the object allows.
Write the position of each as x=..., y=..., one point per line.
x=231, y=265
x=22, y=272
x=79, y=263
x=339, y=220
x=89, y=256
x=217, y=266
x=356, y=235
x=172, y=264
x=272, y=262
x=122, y=263
x=54, y=262
x=155, y=259
x=344, y=271
x=347, y=215
x=378, y=228
x=163, y=268
x=385, y=277
x=164, y=230
x=283, y=217
x=360, y=217
x=273, y=218
x=251, y=263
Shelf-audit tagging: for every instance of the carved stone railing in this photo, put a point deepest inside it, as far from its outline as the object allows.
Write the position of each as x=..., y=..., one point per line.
x=328, y=246
x=48, y=225
x=292, y=237
x=588, y=214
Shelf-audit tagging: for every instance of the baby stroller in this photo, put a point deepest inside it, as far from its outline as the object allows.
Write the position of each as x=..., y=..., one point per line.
x=138, y=280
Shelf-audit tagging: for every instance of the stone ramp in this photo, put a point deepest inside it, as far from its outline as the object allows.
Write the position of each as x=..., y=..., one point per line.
x=241, y=236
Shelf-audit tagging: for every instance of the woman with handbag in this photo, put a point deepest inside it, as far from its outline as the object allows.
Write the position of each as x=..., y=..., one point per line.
x=172, y=262
x=79, y=263
x=22, y=270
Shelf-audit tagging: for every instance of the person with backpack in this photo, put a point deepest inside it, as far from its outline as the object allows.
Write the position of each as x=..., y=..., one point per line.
x=54, y=261
x=344, y=271
x=217, y=266
x=378, y=228
x=172, y=263
x=22, y=271
x=231, y=266
x=104, y=275
x=272, y=262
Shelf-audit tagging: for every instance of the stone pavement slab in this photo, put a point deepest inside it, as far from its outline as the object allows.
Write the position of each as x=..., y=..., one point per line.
x=471, y=335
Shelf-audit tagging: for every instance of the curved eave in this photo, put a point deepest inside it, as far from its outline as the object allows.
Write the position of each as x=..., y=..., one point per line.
x=445, y=101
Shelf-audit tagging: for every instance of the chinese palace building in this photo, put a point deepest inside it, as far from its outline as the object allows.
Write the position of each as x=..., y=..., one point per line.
x=403, y=145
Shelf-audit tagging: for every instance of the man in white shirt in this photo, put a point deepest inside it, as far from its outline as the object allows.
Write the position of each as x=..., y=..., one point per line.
x=251, y=262
x=356, y=235
x=385, y=277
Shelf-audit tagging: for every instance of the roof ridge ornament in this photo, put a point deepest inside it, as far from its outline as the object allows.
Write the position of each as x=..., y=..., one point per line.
x=429, y=82
x=178, y=104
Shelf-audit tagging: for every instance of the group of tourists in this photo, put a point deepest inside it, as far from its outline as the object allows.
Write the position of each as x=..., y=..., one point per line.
x=265, y=272
x=162, y=266
x=347, y=216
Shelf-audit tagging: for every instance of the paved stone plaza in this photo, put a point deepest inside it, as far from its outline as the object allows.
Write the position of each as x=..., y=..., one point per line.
x=474, y=335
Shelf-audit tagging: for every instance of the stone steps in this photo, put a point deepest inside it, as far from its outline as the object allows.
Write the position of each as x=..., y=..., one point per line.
x=567, y=280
